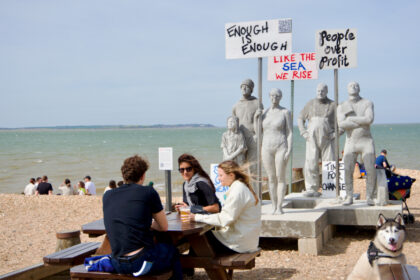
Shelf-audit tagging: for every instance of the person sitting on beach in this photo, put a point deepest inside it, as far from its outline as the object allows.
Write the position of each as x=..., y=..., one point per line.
x=30, y=188
x=382, y=163
x=120, y=183
x=111, y=185
x=238, y=225
x=198, y=191
x=66, y=188
x=90, y=186
x=38, y=181
x=128, y=212
x=81, y=188
x=44, y=187
x=233, y=142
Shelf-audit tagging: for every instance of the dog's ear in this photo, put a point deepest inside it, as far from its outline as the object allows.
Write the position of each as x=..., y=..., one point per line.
x=399, y=219
x=381, y=221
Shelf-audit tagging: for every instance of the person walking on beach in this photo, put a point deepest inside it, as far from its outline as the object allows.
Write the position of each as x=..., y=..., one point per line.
x=44, y=187
x=128, y=213
x=89, y=186
x=238, y=225
x=198, y=191
x=30, y=188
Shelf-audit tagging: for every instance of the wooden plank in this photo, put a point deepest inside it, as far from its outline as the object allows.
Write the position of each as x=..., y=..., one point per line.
x=72, y=255
x=80, y=272
x=34, y=272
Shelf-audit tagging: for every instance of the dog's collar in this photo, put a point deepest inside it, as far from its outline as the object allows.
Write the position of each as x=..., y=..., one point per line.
x=373, y=253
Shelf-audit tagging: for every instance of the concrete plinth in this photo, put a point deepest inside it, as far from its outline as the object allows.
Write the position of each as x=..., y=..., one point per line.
x=312, y=220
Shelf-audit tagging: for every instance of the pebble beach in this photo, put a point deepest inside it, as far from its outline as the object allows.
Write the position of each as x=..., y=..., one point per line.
x=28, y=225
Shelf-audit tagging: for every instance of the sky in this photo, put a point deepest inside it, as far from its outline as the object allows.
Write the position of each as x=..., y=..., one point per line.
x=122, y=62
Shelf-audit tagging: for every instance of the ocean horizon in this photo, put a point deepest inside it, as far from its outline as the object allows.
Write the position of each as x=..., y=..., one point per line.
x=99, y=152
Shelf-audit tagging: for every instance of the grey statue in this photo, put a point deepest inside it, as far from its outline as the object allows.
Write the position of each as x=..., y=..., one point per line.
x=245, y=110
x=355, y=116
x=276, y=147
x=233, y=142
x=316, y=125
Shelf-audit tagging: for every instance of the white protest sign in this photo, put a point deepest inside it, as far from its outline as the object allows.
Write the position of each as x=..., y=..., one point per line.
x=296, y=66
x=258, y=38
x=336, y=48
x=165, y=158
x=220, y=190
x=328, y=179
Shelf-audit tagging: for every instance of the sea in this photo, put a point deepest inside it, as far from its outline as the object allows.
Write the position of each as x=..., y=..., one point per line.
x=75, y=153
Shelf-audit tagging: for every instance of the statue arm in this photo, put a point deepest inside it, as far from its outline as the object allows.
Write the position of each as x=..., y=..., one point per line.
x=367, y=119
x=343, y=121
x=289, y=131
x=257, y=115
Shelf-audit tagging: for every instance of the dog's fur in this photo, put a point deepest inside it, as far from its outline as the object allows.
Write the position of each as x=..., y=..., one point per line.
x=389, y=239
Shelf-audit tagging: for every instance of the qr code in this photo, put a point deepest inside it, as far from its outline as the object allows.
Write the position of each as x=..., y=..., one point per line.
x=285, y=25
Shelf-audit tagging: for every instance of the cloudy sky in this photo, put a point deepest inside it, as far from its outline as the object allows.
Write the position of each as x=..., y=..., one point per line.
x=163, y=62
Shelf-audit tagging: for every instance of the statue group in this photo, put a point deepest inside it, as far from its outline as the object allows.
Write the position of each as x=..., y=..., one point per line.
x=316, y=125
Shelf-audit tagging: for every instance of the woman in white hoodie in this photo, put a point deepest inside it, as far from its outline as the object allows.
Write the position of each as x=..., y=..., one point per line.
x=238, y=225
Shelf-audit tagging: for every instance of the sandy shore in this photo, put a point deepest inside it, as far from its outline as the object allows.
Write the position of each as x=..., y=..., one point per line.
x=28, y=226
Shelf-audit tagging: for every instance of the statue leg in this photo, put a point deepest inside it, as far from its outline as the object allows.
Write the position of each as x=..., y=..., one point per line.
x=349, y=162
x=251, y=158
x=311, y=170
x=371, y=188
x=281, y=179
x=269, y=166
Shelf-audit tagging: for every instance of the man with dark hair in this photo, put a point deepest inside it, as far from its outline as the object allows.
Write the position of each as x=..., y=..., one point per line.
x=44, y=187
x=89, y=186
x=382, y=163
x=128, y=212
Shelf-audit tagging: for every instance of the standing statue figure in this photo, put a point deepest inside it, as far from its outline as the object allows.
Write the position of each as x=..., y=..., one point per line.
x=355, y=116
x=276, y=147
x=233, y=142
x=245, y=110
x=316, y=125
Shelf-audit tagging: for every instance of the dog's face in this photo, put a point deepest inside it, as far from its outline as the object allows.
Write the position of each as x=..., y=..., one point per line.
x=391, y=232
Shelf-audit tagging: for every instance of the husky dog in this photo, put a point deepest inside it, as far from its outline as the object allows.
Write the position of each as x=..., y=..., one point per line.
x=386, y=248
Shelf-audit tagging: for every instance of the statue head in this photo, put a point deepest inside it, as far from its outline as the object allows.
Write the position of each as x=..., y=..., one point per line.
x=247, y=86
x=353, y=90
x=321, y=91
x=275, y=96
x=233, y=123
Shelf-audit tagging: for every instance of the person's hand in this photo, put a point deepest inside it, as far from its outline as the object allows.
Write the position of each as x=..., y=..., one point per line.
x=305, y=135
x=179, y=205
x=192, y=217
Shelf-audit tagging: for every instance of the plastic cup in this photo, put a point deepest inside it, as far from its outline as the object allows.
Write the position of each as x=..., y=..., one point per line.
x=185, y=213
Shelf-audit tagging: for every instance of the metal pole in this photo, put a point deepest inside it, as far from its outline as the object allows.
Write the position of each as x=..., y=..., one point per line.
x=259, y=132
x=292, y=97
x=168, y=190
x=337, y=136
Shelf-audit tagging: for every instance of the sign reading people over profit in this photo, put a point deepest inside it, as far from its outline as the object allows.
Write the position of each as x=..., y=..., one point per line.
x=296, y=66
x=328, y=179
x=336, y=48
x=258, y=38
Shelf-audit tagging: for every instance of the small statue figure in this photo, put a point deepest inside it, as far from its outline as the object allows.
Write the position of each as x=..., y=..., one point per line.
x=318, y=114
x=233, y=142
x=276, y=147
x=245, y=110
x=355, y=116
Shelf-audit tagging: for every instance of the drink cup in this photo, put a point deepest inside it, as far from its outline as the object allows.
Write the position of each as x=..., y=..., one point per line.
x=185, y=213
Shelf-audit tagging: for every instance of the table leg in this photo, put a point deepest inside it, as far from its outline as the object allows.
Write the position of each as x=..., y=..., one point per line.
x=105, y=248
x=202, y=248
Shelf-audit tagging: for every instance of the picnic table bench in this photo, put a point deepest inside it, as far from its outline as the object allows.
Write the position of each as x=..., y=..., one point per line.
x=72, y=255
x=398, y=272
x=217, y=267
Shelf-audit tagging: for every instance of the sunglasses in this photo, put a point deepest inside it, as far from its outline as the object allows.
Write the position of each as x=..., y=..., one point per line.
x=188, y=169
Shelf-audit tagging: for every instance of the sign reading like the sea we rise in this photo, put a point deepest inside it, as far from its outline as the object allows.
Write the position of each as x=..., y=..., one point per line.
x=258, y=38
x=296, y=66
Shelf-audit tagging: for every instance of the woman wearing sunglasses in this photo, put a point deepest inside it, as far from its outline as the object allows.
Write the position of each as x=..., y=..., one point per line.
x=198, y=191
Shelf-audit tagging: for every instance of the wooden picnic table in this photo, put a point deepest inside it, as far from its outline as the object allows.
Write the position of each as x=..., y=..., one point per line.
x=191, y=232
